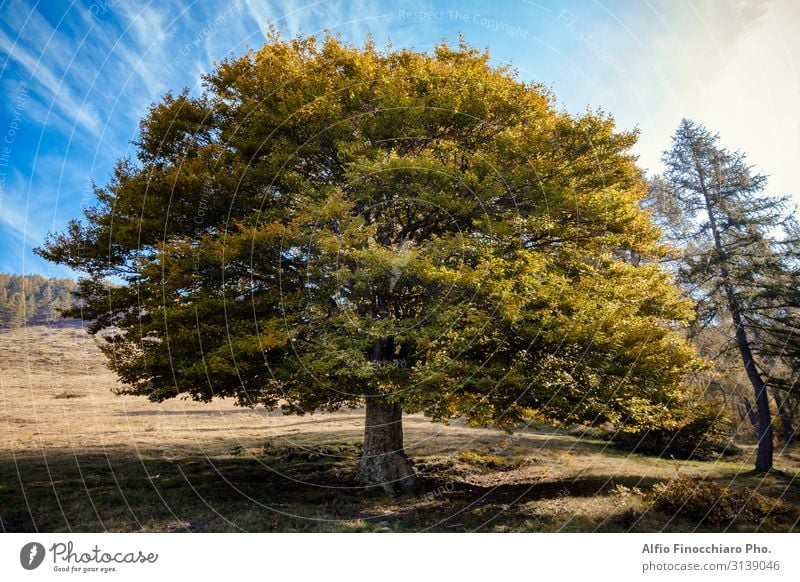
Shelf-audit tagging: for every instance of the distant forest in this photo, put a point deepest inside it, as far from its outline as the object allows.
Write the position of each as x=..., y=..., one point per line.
x=34, y=300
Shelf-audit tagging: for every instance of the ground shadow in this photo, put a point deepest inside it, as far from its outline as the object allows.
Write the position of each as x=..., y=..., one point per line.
x=268, y=486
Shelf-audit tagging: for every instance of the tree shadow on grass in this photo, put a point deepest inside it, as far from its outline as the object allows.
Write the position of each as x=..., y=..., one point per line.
x=124, y=489
x=116, y=490
x=261, y=485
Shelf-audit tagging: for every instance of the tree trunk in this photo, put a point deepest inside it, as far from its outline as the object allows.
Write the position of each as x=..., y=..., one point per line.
x=383, y=461
x=764, y=431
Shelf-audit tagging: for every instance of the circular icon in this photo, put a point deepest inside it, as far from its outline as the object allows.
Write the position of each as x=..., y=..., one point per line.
x=31, y=555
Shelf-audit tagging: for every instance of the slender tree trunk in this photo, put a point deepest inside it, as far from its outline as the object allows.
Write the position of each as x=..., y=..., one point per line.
x=764, y=431
x=383, y=461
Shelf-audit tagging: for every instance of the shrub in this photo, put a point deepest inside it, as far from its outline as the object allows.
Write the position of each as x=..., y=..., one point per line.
x=709, y=502
x=689, y=431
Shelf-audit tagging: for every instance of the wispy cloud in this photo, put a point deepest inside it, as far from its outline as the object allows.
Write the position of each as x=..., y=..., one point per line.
x=731, y=65
x=61, y=98
x=16, y=222
x=260, y=12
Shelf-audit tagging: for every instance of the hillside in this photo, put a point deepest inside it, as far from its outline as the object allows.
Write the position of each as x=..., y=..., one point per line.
x=76, y=457
x=34, y=300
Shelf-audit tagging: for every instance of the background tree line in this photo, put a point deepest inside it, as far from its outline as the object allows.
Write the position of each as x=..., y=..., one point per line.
x=33, y=300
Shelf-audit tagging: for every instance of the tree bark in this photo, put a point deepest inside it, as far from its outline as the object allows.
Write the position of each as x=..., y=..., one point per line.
x=764, y=432
x=383, y=461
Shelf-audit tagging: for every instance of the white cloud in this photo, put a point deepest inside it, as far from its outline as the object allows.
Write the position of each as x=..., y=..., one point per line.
x=61, y=97
x=18, y=224
x=260, y=13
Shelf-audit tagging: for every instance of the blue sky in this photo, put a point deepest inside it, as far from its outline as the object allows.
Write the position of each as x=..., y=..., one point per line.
x=77, y=76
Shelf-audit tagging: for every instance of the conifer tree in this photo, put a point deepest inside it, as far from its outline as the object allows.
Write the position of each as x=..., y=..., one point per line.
x=16, y=310
x=735, y=260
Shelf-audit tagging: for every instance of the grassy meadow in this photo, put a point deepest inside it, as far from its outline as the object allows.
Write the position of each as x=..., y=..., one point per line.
x=76, y=457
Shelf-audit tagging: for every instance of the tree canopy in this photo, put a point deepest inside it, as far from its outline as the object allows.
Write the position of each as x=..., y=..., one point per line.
x=329, y=225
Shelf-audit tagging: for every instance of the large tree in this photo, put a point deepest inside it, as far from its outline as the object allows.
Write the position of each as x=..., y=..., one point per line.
x=737, y=256
x=330, y=226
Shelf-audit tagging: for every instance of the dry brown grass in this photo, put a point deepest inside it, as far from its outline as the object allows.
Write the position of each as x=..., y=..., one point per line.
x=57, y=393
x=93, y=460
